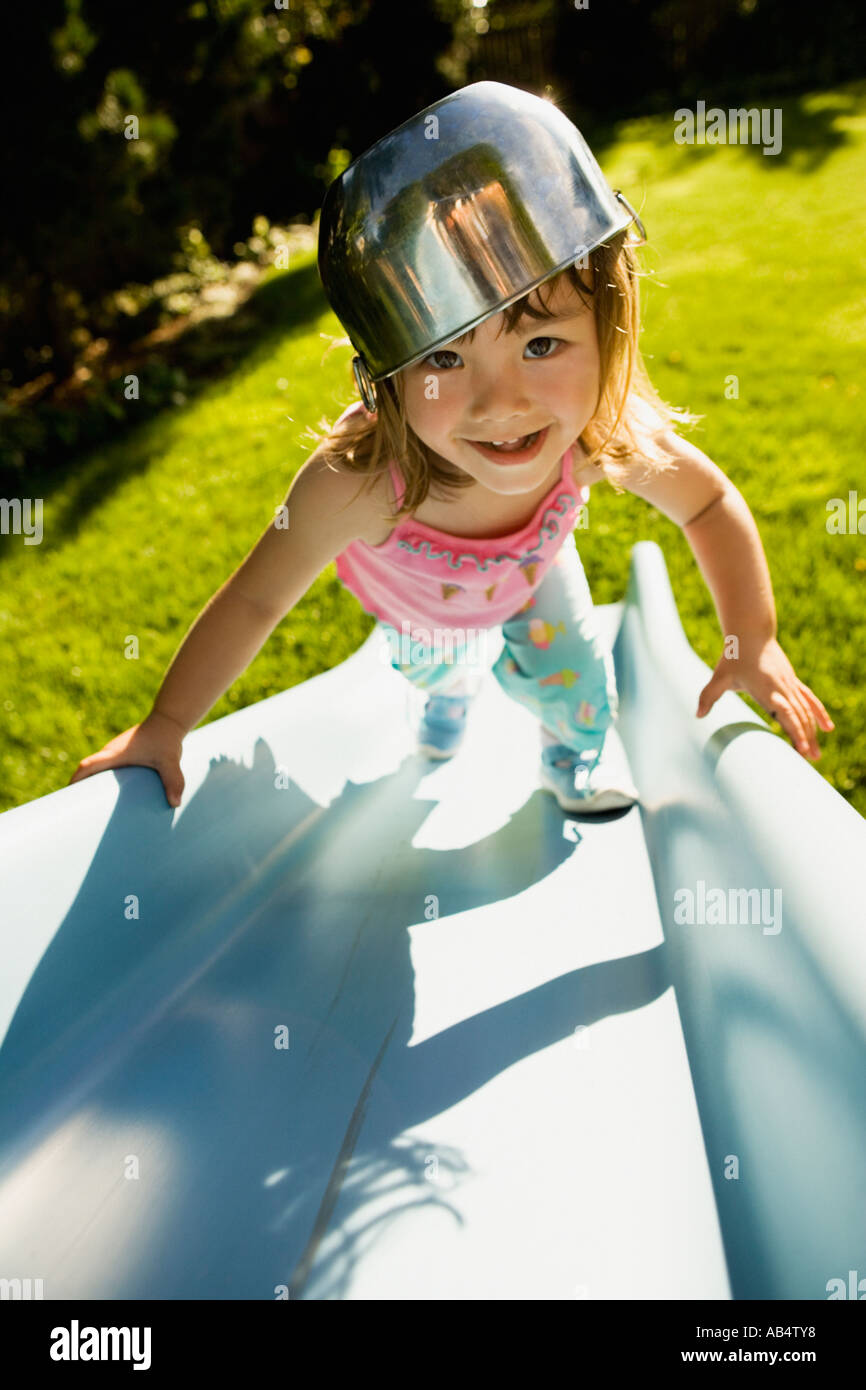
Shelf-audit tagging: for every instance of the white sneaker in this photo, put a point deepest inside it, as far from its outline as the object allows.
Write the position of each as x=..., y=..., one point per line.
x=580, y=783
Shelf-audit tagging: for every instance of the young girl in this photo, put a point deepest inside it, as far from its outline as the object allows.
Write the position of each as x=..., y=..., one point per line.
x=476, y=456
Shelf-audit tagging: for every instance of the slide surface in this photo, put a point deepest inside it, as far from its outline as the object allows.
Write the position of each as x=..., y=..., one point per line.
x=351, y=1024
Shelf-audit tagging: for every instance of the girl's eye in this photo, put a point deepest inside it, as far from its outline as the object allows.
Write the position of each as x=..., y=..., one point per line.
x=552, y=341
x=440, y=352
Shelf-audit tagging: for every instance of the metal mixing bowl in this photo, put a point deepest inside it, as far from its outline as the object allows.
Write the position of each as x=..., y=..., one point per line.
x=458, y=212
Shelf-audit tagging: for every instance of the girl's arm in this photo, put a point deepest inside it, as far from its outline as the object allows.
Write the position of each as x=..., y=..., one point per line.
x=725, y=542
x=716, y=521
x=325, y=514
x=323, y=518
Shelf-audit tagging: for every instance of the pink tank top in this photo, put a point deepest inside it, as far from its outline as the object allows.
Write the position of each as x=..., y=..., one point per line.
x=421, y=576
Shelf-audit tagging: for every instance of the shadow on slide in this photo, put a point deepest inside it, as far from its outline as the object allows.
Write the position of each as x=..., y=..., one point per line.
x=352, y=1024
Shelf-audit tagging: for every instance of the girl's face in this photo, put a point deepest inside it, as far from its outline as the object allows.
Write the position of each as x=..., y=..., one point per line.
x=544, y=376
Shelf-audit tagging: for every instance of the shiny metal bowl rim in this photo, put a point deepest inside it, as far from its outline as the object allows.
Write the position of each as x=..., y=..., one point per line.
x=365, y=381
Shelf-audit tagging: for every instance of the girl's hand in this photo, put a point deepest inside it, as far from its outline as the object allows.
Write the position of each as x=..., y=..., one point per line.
x=765, y=673
x=157, y=742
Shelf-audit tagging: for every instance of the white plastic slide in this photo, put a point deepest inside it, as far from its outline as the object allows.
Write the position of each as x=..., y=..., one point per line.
x=351, y=1024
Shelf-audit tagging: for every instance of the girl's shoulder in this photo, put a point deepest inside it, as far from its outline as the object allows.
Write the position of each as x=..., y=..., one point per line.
x=645, y=421
x=362, y=501
x=646, y=427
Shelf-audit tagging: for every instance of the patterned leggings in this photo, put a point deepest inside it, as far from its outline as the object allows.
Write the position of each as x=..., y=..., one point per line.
x=552, y=660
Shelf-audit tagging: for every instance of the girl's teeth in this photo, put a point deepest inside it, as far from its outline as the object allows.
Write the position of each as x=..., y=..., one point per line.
x=523, y=442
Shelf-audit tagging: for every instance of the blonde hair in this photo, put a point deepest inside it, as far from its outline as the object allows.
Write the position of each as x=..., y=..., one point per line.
x=629, y=412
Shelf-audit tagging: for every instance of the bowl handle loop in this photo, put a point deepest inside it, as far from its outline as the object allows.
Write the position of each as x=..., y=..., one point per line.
x=640, y=226
x=364, y=383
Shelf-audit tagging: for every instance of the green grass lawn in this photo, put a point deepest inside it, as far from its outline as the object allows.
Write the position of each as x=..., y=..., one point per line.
x=758, y=271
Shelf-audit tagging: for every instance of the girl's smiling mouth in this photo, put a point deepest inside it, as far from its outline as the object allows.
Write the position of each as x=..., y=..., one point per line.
x=522, y=452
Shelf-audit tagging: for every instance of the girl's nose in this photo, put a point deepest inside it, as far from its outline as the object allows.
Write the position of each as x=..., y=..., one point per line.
x=501, y=397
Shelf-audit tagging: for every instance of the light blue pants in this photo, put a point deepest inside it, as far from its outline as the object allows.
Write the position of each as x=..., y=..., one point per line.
x=552, y=660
